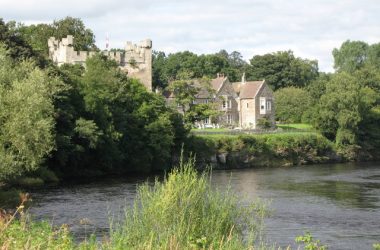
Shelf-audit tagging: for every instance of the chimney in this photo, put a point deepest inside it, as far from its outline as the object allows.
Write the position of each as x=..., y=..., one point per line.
x=243, y=78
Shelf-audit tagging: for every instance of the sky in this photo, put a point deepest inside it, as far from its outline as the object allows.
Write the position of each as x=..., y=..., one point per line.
x=310, y=28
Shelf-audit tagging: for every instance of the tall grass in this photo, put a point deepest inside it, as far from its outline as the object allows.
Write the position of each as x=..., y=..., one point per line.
x=185, y=212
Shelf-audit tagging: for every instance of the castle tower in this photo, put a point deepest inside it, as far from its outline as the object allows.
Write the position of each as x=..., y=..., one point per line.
x=136, y=61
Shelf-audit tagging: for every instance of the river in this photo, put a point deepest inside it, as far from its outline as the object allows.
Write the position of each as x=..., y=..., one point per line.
x=339, y=204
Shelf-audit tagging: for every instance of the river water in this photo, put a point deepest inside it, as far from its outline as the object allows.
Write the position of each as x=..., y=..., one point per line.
x=339, y=204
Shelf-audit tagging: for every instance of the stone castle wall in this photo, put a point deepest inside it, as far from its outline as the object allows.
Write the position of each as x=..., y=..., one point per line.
x=136, y=60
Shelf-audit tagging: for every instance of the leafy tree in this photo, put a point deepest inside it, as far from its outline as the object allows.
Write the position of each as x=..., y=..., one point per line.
x=185, y=92
x=17, y=47
x=342, y=108
x=159, y=78
x=26, y=116
x=317, y=87
x=291, y=104
x=283, y=69
x=84, y=38
x=351, y=56
x=38, y=35
x=374, y=55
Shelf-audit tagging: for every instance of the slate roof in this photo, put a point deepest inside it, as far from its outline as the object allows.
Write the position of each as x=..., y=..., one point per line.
x=247, y=90
x=217, y=83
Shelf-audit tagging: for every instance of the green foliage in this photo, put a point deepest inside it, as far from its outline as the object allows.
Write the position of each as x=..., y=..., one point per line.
x=38, y=35
x=185, y=212
x=376, y=246
x=350, y=56
x=282, y=69
x=187, y=65
x=309, y=242
x=291, y=103
x=89, y=131
x=17, y=47
x=342, y=109
x=25, y=234
x=263, y=149
x=112, y=124
x=264, y=123
x=26, y=116
x=295, y=126
x=185, y=93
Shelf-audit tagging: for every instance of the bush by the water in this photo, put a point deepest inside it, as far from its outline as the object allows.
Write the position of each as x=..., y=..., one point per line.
x=182, y=212
x=263, y=150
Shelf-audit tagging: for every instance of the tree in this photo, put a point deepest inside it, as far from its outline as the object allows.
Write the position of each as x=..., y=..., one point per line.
x=17, y=47
x=26, y=116
x=159, y=78
x=291, y=104
x=282, y=69
x=351, y=56
x=37, y=35
x=185, y=92
x=84, y=38
x=342, y=109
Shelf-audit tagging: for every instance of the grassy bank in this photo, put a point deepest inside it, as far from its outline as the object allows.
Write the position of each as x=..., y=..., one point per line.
x=229, y=151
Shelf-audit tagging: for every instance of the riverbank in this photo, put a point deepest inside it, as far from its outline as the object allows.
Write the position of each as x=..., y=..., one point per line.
x=262, y=150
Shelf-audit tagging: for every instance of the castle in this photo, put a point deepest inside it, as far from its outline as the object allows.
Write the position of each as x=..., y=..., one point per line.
x=136, y=60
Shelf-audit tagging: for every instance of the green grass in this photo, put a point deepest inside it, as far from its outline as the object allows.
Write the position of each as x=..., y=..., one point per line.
x=211, y=129
x=300, y=126
x=185, y=212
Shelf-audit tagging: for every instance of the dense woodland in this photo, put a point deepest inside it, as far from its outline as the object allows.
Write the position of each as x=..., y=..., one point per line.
x=78, y=122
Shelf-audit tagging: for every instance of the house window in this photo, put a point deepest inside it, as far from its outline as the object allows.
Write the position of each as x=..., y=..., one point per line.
x=262, y=105
x=230, y=104
x=206, y=101
x=247, y=105
x=207, y=120
x=224, y=104
x=229, y=118
x=269, y=105
x=194, y=102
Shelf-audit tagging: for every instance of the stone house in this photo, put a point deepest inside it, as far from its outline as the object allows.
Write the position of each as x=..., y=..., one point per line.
x=240, y=104
x=255, y=102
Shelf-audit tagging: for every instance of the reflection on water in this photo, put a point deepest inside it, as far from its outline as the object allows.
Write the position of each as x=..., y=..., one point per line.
x=339, y=204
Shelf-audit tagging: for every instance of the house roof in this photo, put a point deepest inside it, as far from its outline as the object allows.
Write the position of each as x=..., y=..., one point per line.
x=217, y=83
x=247, y=90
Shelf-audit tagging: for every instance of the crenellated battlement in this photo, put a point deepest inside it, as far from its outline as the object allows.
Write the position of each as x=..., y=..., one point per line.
x=136, y=60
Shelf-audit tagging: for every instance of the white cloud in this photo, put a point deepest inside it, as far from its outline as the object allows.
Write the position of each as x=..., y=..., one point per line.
x=310, y=28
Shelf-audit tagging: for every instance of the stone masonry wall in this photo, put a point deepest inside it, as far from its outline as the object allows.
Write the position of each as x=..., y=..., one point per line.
x=136, y=60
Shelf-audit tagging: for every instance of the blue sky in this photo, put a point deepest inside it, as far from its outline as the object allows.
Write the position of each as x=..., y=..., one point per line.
x=311, y=28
